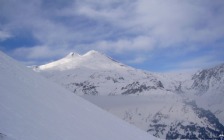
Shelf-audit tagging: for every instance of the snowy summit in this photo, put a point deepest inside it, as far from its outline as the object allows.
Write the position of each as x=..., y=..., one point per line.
x=90, y=60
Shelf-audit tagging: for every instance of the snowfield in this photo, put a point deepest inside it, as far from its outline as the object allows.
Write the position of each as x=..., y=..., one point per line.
x=32, y=108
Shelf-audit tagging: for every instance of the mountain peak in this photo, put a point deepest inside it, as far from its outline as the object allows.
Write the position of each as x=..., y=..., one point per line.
x=91, y=60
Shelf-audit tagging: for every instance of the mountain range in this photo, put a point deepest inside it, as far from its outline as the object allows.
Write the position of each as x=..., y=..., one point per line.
x=166, y=105
x=33, y=108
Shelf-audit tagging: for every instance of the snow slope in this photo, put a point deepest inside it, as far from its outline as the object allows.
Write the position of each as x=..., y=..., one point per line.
x=31, y=108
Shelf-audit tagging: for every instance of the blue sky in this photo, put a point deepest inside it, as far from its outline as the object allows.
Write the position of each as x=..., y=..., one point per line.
x=154, y=35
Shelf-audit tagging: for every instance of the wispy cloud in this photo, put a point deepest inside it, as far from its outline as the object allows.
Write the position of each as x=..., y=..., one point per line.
x=169, y=22
x=198, y=63
x=194, y=64
x=140, y=43
x=4, y=35
x=39, y=52
x=137, y=60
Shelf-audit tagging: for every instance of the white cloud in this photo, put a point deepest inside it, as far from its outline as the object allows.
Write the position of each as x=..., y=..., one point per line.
x=40, y=52
x=198, y=63
x=137, y=60
x=4, y=35
x=167, y=23
x=120, y=26
x=140, y=43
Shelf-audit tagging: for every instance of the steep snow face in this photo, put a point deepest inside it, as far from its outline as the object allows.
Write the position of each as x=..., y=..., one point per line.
x=91, y=60
x=32, y=108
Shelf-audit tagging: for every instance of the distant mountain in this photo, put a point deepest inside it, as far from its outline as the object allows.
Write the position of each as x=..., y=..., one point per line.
x=208, y=79
x=97, y=74
x=92, y=60
x=208, y=87
x=32, y=108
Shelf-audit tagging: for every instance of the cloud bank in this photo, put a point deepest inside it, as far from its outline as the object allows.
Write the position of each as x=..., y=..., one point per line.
x=122, y=27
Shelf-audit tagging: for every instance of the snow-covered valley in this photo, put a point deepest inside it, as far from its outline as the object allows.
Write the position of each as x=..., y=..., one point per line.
x=177, y=105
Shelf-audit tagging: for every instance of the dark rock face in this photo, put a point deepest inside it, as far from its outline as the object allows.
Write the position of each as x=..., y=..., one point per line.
x=136, y=87
x=212, y=131
x=87, y=88
x=179, y=89
x=216, y=127
x=190, y=132
x=159, y=84
x=107, y=75
x=158, y=128
x=187, y=130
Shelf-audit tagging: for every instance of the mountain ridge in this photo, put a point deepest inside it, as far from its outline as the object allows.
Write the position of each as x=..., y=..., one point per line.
x=90, y=60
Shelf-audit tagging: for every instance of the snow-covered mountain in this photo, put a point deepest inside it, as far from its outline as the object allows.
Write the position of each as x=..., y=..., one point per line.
x=208, y=87
x=91, y=60
x=96, y=74
x=32, y=108
x=186, y=95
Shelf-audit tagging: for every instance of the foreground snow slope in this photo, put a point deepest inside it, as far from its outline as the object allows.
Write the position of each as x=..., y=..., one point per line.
x=31, y=108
